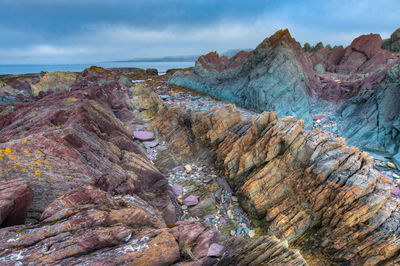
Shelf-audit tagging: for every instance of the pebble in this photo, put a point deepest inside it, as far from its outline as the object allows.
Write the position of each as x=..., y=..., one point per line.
x=150, y=144
x=395, y=175
x=188, y=168
x=215, y=250
x=234, y=198
x=184, y=207
x=252, y=233
x=177, y=189
x=391, y=165
x=143, y=135
x=191, y=201
x=230, y=215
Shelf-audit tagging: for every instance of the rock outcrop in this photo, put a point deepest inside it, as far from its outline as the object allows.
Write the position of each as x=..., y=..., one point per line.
x=97, y=198
x=87, y=225
x=276, y=76
x=393, y=43
x=34, y=87
x=263, y=251
x=74, y=138
x=299, y=184
x=15, y=199
x=279, y=76
x=372, y=119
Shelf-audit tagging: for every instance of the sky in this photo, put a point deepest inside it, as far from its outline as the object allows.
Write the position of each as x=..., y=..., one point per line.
x=82, y=31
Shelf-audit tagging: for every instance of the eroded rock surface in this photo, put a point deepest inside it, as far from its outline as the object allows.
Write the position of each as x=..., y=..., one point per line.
x=15, y=199
x=73, y=138
x=279, y=76
x=87, y=225
x=297, y=183
x=97, y=199
x=276, y=76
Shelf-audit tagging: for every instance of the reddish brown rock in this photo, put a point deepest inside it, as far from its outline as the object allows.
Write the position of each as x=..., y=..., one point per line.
x=74, y=138
x=87, y=225
x=364, y=55
x=15, y=199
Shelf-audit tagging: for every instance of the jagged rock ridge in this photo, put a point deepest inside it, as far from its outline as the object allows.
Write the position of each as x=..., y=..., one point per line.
x=276, y=76
x=295, y=181
x=279, y=76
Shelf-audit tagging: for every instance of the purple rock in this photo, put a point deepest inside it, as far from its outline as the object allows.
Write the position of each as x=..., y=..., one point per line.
x=191, y=201
x=150, y=144
x=177, y=189
x=396, y=192
x=143, y=135
x=222, y=220
x=208, y=216
x=222, y=182
x=215, y=250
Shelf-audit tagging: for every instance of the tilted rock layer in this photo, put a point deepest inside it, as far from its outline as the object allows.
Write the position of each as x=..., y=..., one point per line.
x=295, y=182
x=279, y=76
x=97, y=198
x=276, y=76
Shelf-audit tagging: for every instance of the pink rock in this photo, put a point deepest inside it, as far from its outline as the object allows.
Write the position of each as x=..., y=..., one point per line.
x=177, y=189
x=191, y=201
x=143, y=135
x=215, y=250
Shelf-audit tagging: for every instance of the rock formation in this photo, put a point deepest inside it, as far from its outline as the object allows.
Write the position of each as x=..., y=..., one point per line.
x=276, y=76
x=80, y=125
x=97, y=198
x=393, y=43
x=299, y=184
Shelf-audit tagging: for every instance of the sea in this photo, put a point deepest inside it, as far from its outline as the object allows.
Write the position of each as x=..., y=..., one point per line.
x=162, y=67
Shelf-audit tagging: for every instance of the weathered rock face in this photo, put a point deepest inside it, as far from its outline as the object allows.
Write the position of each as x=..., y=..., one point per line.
x=372, y=118
x=15, y=199
x=87, y=225
x=263, y=251
x=277, y=76
x=328, y=58
x=364, y=55
x=393, y=44
x=114, y=205
x=72, y=138
x=34, y=87
x=299, y=184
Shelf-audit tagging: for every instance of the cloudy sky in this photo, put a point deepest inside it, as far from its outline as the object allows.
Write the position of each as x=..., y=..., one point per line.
x=82, y=31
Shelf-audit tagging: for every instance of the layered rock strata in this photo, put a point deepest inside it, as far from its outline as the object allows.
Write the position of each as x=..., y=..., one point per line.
x=298, y=184
x=276, y=76
x=74, y=138
x=97, y=198
x=356, y=81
